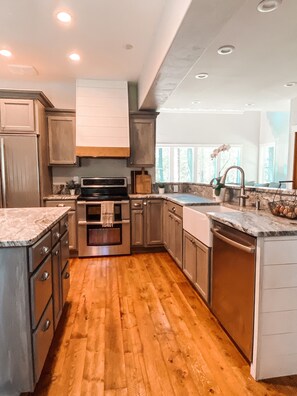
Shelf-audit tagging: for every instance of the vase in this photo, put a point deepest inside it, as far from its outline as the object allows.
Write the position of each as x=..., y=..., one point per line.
x=220, y=198
x=161, y=190
x=72, y=192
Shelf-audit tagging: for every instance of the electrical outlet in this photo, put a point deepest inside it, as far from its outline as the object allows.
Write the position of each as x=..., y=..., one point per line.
x=175, y=188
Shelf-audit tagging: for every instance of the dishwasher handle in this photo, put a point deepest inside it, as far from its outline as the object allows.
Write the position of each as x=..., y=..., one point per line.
x=248, y=249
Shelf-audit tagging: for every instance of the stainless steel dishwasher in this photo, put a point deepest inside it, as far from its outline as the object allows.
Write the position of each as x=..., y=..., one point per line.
x=233, y=284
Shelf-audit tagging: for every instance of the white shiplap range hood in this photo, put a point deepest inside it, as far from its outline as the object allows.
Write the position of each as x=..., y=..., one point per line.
x=102, y=118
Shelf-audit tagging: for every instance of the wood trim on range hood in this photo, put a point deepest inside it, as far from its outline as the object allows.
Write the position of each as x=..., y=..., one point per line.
x=110, y=152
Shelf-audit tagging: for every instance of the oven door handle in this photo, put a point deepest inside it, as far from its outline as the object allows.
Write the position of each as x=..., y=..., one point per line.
x=89, y=203
x=84, y=223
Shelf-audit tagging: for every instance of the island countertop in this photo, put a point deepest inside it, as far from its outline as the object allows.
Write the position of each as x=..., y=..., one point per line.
x=24, y=226
x=257, y=223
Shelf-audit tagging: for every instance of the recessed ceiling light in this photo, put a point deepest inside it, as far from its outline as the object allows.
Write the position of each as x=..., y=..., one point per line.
x=290, y=84
x=64, y=17
x=5, y=52
x=250, y=104
x=74, y=57
x=196, y=102
x=226, y=50
x=268, y=5
x=201, y=76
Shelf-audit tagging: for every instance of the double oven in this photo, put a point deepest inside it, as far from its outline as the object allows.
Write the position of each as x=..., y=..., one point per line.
x=94, y=237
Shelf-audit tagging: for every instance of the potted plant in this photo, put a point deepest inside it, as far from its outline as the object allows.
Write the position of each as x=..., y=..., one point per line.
x=161, y=188
x=72, y=186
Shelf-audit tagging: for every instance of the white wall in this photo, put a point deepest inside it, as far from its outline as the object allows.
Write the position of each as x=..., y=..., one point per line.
x=293, y=130
x=242, y=129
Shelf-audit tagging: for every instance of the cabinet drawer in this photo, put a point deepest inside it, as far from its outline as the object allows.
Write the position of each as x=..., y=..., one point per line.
x=62, y=203
x=55, y=234
x=64, y=225
x=39, y=251
x=64, y=250
x=42, y=338
x=65, y=282
x=136, y=204
x=175, y=208
x=41, y=290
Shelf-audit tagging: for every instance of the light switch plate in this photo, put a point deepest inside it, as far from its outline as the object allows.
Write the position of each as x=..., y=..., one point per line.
x=175, y=188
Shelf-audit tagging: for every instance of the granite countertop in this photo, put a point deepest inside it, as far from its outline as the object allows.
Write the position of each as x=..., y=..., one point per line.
x=24, y=226
x=181, y=199
x=62, y=197
x=256, y=223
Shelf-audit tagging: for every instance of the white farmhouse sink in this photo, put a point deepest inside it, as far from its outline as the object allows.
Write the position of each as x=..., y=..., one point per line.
x=197, y=223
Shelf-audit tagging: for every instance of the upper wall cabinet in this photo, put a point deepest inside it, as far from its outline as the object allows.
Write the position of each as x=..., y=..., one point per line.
x=61, y=136
x=17, y=115
x=102, y=119
x=142, y=139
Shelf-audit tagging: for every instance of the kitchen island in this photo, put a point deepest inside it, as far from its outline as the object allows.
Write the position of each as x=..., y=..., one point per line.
x=34, y=282
x=275, y=307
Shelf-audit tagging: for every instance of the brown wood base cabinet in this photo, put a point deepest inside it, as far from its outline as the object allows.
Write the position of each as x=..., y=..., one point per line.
x=196, y=264
x=146, y=224
x=173, y=230
x=34, y=282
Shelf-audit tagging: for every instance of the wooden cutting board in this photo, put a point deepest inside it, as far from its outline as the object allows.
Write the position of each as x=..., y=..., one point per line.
x=143, y=183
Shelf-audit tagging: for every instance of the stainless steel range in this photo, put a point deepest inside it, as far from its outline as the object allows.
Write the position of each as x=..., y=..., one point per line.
x=103, y=217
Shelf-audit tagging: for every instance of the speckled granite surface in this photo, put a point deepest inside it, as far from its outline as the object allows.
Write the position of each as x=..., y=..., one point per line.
x=257, y=223
x=63, y=197
x=24, y=226
x=182, y=199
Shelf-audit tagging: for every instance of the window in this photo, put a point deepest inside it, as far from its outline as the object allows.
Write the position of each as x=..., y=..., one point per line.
x=267, y=162
x=193, y=164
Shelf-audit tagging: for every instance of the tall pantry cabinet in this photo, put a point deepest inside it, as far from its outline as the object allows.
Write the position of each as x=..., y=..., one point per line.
x=25, y=177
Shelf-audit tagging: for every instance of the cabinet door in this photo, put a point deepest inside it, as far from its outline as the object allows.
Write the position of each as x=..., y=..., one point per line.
x=165, y=224
x=142, y=140
x=72, y=230
x=64, y=250
x=171, y=235
x=61, y=135
x=178, y=230
x=17, y=115
x=137, y=227
x=202, y=269
x=154, y=235
x=189, y=255
x=57, y=283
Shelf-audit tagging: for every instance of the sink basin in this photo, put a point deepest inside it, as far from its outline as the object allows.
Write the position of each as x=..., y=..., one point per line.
x=197, y=223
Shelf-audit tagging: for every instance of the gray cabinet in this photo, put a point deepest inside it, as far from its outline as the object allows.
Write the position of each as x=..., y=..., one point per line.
x=196, y=264
x=173, y=226
x=32, y=292
x=146, y=222
x=61, y=136
x=72, y=219
x=142, y=139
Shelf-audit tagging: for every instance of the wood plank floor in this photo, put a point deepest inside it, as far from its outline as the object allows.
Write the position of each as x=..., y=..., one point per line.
x=134, y=326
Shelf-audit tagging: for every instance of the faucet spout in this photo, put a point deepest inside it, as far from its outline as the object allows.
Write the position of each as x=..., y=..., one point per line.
x=242, y=196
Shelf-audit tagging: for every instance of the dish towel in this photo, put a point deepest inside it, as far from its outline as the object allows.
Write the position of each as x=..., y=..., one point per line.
x=107, y=213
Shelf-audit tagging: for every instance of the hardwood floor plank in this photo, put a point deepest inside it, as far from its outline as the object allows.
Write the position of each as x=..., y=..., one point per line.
x=134, y=326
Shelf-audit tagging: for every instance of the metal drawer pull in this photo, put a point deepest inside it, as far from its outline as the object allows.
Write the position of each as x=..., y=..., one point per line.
x=46, y=325
x=67, y=275
x=45, y=276
x=66, y=243
x=61, y=205
x=66, y=225
x=144, y=203
x=56, y=235
x=173, y=209
x=56, y=252
x=137, y=205
x=247, y=249
x=44, y=250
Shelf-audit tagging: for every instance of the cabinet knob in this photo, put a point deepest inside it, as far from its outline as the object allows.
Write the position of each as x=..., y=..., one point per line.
x=144, y=203
x=45, y=276
x=173, y=209
x=66, y=243
x=57, y=235
x=46, y=325
x=56, y=252
x=67, y=275
x=66, y=225
x=44, y=250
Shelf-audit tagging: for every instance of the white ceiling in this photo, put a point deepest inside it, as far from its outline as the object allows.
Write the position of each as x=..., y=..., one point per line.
x=265, y=57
